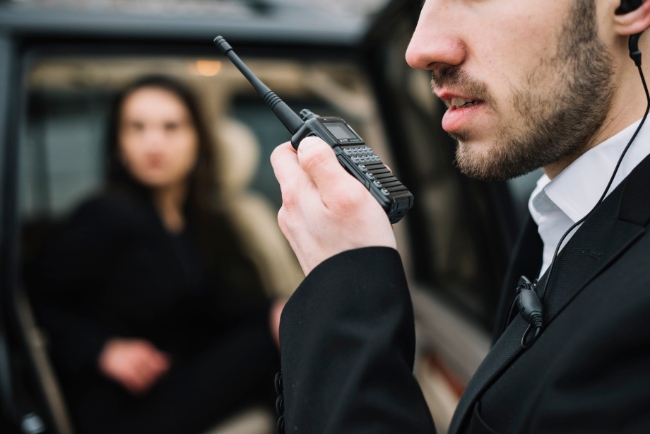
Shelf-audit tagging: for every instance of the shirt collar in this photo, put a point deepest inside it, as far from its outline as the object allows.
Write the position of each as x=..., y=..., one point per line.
x=578, y=188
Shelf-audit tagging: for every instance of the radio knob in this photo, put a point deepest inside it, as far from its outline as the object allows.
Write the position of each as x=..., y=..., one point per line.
x=305, y=114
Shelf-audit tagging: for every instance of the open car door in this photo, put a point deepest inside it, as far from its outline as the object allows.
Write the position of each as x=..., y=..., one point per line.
x=59, y=70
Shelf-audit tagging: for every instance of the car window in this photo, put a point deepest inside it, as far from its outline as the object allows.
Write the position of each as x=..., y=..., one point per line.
x=62, y=148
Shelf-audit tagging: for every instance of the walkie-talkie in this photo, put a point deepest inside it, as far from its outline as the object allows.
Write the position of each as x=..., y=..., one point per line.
x=350, y=149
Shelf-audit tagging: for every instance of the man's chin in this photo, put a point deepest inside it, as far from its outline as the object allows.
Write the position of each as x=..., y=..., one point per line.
x=484, y=162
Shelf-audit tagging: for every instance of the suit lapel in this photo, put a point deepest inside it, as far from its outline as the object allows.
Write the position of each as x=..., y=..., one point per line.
x=502, y=354
x=525, y=261
x=506, y=349
x=601, y=239
x=596, y=246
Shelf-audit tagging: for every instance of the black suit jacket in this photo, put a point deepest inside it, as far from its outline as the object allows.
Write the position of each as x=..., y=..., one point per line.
x=113, y=270
x=347, y=340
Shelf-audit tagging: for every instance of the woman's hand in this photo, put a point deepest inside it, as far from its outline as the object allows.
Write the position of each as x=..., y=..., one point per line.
x=133, y=363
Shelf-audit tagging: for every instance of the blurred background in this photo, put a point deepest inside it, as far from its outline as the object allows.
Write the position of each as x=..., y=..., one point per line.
x=62, y=62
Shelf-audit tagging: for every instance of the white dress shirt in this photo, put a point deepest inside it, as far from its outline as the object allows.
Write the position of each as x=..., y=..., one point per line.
x=557, y=204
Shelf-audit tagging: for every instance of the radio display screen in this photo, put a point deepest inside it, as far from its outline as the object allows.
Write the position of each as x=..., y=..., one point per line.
x=340, y=130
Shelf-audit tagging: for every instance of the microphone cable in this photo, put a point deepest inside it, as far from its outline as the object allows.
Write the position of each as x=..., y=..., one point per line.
x=635, y=54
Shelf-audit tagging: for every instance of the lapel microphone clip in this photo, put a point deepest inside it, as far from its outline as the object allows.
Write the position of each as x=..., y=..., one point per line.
x=530, y=308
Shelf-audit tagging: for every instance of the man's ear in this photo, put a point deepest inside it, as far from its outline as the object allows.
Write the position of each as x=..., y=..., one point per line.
x=632, y=22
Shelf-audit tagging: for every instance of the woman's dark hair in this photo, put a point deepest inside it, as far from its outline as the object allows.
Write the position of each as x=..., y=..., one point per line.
x=219, y=247
x=201, y=178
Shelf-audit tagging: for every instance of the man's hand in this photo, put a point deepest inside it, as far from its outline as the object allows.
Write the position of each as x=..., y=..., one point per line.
x=325, y=211
x=134, y=363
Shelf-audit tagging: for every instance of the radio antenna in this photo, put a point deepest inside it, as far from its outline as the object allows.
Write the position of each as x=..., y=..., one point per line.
x=288, y=117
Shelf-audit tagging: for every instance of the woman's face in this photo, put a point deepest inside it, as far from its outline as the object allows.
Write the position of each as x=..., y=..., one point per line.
x=158, y=143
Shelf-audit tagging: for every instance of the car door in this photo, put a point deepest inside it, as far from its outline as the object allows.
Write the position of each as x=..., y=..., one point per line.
x=61, y=67
x=455, y=242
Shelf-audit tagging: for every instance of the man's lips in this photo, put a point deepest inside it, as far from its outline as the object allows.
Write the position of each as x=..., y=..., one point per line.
x=460, y=109
x=457, y=99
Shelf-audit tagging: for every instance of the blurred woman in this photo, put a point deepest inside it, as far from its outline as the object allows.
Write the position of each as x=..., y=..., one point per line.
x=157, y=320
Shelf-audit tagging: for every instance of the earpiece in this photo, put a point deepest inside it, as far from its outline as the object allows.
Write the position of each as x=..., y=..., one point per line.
x=635, y=53
x=628, y=6
x=528, y=302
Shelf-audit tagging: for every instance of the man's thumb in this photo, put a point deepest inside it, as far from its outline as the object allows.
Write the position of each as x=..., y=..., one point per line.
x=318, y=160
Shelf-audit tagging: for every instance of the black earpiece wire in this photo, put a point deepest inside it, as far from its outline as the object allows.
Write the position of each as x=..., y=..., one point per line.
x=635, y=54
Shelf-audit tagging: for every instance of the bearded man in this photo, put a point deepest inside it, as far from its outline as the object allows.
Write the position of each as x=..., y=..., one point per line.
x=528, y=84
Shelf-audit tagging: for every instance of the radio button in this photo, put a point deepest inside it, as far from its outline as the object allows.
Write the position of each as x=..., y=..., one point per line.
x=391, y=184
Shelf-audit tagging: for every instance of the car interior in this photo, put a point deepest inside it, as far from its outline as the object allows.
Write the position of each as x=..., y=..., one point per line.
x=454, y=243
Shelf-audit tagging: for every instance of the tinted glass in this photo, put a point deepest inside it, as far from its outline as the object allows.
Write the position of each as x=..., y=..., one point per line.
x=63, y=154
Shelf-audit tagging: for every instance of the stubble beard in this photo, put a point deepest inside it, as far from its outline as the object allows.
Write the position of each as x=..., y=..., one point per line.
x=565, y=101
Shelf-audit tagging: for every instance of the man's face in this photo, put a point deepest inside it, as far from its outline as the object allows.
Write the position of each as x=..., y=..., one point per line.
x=526, y=82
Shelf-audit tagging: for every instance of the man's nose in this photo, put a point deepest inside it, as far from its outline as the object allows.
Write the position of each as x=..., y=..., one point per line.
x=435, y=44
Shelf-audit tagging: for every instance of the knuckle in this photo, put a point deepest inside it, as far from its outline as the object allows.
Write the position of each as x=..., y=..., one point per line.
x=275, y=157
x=350, y=199
x=358, y=193
x=312, y=160
x=288, y=198
x=279, y=153
x=314, y=157
x=284, y=222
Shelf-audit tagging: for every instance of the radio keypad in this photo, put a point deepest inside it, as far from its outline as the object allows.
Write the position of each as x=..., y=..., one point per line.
x=374, y=169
